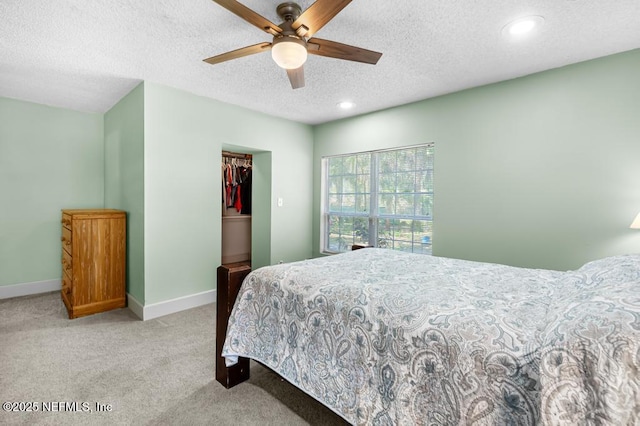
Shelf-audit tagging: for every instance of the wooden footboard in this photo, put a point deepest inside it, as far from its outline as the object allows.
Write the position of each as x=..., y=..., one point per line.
x=230, y=278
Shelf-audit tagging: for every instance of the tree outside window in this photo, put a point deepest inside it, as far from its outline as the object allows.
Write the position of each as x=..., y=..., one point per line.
x=380, y=198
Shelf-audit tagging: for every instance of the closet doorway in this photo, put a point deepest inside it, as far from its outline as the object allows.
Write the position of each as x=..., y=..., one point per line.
x=237, y=207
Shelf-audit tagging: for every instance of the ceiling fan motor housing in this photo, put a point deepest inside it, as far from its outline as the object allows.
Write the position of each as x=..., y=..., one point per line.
x=289, y=11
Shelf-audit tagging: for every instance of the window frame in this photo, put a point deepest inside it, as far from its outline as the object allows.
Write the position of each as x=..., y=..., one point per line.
x=373, y=215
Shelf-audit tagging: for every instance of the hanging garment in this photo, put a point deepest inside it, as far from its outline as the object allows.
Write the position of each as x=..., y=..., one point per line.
x=238, y=203
x=229, y=185
x=223, y=180
x=246, y=190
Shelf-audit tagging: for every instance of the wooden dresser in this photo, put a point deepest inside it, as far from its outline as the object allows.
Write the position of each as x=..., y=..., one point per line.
x=93, y=260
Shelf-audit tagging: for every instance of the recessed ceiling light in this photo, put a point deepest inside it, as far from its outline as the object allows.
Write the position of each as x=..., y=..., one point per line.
x=346, y=105
x=522, y=25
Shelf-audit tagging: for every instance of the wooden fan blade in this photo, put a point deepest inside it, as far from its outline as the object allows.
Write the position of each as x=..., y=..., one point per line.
x=239, y=53
x=333, y=49
x=296, y=77
x=250, y=16
x=317, y=16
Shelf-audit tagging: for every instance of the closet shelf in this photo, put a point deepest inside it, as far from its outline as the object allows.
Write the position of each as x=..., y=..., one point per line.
x=237, y=217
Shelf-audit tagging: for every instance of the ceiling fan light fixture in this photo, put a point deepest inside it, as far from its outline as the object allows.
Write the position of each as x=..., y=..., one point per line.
x=289, y=52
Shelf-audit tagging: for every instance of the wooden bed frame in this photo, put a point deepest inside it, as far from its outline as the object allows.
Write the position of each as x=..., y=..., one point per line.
x=230, y=278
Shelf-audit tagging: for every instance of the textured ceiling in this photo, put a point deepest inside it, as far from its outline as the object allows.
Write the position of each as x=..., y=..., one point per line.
x=85, y=55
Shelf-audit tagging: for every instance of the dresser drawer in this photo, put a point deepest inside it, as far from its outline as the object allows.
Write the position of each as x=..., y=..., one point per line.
x=66, y=239
x=67, y=264
x=66, y=284
x=66, y=221
x=66, y=292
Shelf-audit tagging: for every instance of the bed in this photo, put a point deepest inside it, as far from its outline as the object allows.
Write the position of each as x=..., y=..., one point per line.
x=383, y=337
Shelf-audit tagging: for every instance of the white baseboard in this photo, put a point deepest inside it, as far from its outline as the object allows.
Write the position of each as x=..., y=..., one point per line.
x=144, y=312
x=135, y=306
x=25, y=289
x=160, y=309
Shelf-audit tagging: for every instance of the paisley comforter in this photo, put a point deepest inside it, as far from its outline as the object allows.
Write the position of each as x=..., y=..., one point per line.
x=389, y=338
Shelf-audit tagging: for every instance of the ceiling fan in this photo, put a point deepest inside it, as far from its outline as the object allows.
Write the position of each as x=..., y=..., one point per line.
x=292, y=39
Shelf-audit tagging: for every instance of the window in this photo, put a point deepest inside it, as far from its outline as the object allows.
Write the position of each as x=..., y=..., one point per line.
x=380, y=198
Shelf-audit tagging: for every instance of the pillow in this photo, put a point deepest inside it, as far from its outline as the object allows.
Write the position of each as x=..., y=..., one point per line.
x=627, y=261
x=607, y=271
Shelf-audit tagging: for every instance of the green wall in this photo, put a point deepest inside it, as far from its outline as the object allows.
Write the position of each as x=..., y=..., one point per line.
x=124, y=178
x=541, y=171
x=157, y=155
x=50, y=159
x=184, y=136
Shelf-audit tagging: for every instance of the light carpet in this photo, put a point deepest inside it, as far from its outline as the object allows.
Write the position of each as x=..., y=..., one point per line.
x=157, y=372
